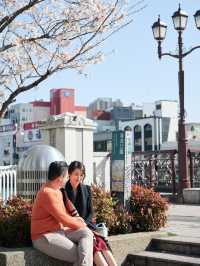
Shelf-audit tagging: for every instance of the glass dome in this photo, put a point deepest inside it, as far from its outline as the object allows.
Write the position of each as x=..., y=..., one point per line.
x=38, y=158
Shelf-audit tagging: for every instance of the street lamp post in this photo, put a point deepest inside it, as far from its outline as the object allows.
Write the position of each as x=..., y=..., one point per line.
x=159, y=28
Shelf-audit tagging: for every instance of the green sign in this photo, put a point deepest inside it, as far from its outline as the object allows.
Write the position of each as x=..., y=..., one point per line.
x=121, y=164
x=118, y=147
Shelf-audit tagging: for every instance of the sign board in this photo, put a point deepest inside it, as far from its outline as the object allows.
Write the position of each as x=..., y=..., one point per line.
x=32, y=133
x=118, y=145
x=118, y=175
x=122, y=144
x=9, y=129
x=127, y=165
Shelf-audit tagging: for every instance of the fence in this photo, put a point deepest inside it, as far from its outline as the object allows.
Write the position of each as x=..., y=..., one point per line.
x=30, y=182
x=8, y=182
x=160, y=170
x=157, y=169
x=25, y=184
x=194, y=167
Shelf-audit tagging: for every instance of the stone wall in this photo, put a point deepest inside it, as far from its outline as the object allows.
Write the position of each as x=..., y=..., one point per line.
x=121, y=245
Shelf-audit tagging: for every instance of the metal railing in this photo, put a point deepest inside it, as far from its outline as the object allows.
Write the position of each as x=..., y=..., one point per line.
x=8, y=182
x=25, y=184
x=159, y=169
x=194, y=167
x=156, y=169
x=30, y=182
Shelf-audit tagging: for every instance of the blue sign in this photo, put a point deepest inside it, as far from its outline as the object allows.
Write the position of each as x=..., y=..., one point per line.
x=66, y=93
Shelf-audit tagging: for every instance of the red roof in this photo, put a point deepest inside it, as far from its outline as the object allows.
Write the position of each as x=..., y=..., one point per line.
x=41, y=104
x=101, y=115
x=81, y=108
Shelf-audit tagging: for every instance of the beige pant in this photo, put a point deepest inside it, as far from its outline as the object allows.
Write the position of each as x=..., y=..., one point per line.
x=73, y=246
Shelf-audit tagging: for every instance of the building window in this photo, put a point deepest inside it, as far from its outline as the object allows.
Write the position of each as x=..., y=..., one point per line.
x=100, y=146
x=137, y=138
x=6, y=152
x=148, y=137
x=53, y=138
x=158, y=106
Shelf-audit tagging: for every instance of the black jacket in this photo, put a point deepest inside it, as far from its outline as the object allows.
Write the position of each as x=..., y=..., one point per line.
x=83, y=201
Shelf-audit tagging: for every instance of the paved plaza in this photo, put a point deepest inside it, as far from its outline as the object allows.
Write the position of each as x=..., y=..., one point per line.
x=184, y=220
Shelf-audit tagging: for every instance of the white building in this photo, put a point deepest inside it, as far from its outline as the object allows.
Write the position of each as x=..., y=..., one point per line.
x=159, y=125
x=14, y=140
x=166, y=108
x=147, y=133
x=22, y=113
x=193, y=131
x=162, y=108
x=19, y=132
x=193, y=137
x=41, y=110
x=7, y=142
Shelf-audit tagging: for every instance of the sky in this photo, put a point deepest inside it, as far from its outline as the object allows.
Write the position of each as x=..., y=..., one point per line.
x=133, y=72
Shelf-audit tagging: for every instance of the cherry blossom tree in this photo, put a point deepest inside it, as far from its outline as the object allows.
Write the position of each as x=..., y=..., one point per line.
x=41, y=37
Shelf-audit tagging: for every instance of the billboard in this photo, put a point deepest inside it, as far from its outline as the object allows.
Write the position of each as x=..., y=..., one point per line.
x=32, y=133
x=9, y=129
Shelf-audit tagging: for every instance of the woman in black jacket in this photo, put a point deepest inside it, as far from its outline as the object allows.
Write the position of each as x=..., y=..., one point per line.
x=81, y=196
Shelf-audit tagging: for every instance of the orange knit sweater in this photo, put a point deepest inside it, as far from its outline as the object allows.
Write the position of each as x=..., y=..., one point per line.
x=49, y=213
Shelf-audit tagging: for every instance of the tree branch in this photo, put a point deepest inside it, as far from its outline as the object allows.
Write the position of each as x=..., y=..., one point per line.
x=21, y=89
x=4, y=22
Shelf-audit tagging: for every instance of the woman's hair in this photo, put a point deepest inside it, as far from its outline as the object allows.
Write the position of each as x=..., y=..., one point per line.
x=76, y=165
x=56, y=169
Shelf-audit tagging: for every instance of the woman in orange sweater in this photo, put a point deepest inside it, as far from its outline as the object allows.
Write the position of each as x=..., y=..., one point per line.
x=55, y=232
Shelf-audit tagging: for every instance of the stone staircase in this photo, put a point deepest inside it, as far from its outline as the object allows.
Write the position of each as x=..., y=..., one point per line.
x=170, y=251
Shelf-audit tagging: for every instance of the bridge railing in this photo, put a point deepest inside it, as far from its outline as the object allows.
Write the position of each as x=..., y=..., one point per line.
x=194, y=167
x=159, y=169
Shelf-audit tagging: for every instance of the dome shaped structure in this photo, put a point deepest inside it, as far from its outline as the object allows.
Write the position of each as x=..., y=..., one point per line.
x=33, y=169
x=39, y=158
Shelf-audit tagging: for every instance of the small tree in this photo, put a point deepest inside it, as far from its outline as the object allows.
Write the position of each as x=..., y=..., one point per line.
x=41, y=37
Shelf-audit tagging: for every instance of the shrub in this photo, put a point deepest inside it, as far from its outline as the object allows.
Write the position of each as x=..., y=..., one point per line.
x=103, y=205
x=15, y=218
x=109, y=211
x=122, y=221
x=148, y=209
x=147, y=213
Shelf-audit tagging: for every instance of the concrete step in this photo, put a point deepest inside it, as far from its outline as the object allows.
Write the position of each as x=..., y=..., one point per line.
x=170, y=197
x=149, y=258
x=177, y=245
